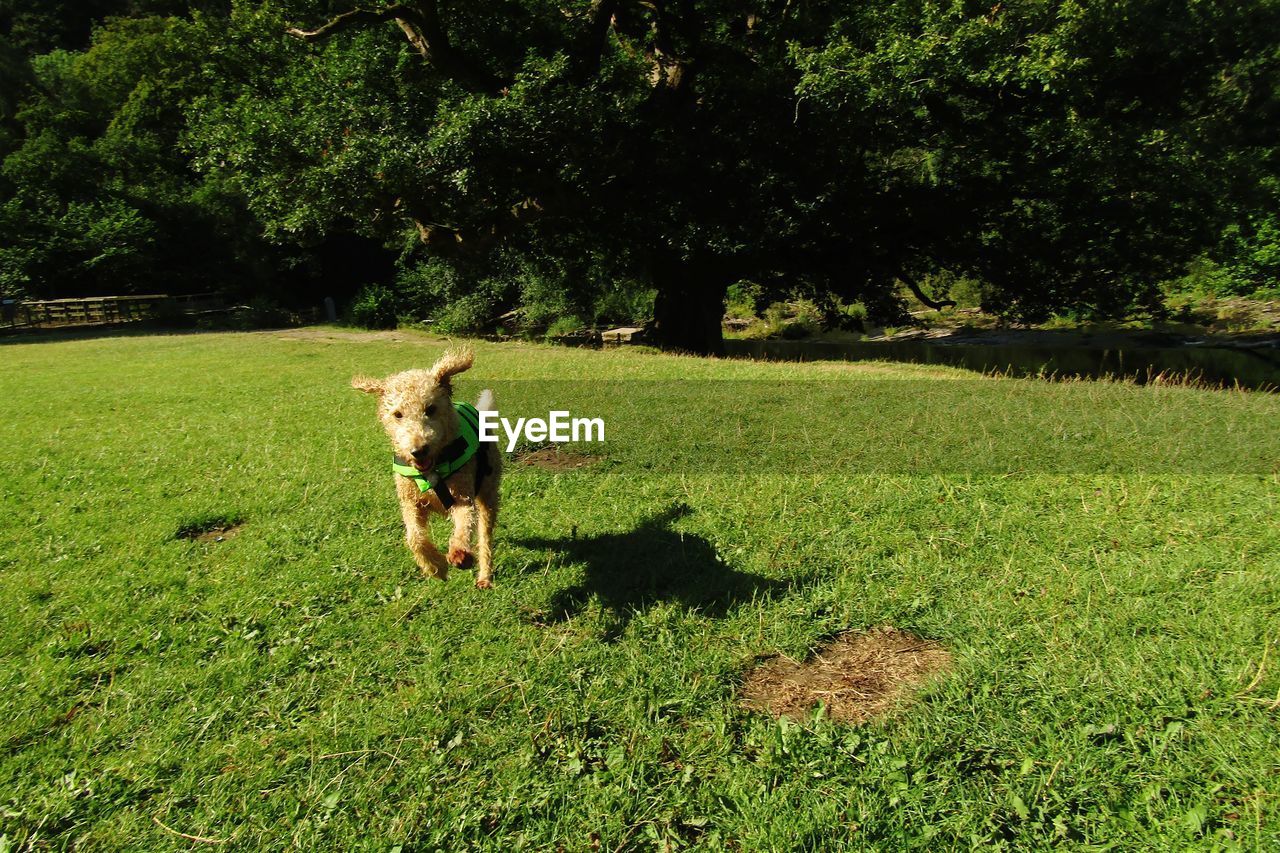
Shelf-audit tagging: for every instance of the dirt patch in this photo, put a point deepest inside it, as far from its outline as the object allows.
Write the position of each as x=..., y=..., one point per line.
x=307, y=333
x=211, y=530
x=857, y=676
x=555, y=459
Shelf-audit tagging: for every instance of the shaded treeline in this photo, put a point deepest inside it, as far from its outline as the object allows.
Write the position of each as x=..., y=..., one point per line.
x=529, y=160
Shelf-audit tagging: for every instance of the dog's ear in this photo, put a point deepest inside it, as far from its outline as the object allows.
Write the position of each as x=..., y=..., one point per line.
x=367, y=385
x=453, y=361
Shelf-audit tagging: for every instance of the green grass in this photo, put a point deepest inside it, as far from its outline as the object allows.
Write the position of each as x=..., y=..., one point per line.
x=1103, y=560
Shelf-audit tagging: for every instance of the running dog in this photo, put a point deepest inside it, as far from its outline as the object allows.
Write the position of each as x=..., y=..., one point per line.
x=440, y=464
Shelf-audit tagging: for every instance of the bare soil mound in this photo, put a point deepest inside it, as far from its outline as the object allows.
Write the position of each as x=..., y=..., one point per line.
x=857, y=676
x=555, y=459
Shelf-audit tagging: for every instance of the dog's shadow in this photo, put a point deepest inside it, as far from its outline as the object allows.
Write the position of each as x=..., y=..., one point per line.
x=630, y=572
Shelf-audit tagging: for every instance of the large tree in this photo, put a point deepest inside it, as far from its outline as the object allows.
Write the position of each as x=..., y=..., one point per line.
x=95, y=195
x=1071, y=154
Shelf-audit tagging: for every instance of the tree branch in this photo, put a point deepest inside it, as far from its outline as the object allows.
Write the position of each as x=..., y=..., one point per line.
x=599, y=20
x=919, y=294
x=644, y=32
x=441, y=52
x=346, y=21
x=420, y=22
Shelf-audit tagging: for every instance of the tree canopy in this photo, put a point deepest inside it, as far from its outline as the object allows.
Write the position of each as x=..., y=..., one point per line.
x=1069, y=154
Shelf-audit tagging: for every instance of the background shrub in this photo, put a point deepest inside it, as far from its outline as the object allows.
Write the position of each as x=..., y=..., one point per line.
x=375, y=307
x=742, y=300
x=465, y=315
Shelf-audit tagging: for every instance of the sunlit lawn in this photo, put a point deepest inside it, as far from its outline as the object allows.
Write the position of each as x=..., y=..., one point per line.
x=1103, y=560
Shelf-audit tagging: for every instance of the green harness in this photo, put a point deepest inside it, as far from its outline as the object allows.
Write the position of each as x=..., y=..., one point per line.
x=455, y=454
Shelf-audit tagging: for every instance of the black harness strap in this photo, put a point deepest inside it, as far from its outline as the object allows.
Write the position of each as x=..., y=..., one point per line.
x=443, y=493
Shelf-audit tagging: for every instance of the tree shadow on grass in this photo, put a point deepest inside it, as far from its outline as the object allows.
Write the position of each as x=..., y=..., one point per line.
x=60, y=334
x=630, y=572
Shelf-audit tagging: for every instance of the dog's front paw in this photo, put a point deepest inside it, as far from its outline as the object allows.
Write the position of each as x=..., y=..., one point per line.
x=484, y=582
x=459, y=556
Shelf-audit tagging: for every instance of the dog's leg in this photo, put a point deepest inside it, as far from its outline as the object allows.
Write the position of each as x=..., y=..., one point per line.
x=487, y=510
x=460, y=542
x=417, y=535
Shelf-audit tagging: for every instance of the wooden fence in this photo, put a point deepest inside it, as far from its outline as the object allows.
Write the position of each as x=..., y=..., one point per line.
x=101, y=310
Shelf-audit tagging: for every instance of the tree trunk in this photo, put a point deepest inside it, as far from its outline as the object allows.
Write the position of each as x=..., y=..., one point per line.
x=688, y=312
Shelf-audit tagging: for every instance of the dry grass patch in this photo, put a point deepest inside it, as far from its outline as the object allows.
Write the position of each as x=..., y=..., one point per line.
x=857, y=676
x=555, y=459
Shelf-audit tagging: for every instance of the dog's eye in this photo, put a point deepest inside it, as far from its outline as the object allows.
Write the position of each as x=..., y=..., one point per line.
x=431, y=410
x=398, y=415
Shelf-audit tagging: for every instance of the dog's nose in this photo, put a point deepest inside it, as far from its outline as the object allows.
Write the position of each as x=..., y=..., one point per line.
x=422, y=453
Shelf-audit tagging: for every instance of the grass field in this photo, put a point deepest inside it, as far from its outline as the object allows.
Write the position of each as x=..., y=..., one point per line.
x=1102, y=561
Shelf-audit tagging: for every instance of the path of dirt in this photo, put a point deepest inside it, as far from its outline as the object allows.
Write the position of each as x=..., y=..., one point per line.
x=311, y=333
x=555, y=459
x=857, y=676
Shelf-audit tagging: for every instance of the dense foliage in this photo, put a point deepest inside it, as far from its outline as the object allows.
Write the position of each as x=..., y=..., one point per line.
x=99, y=200
x=98, y=193
x=565, y=159
x=1070, y=154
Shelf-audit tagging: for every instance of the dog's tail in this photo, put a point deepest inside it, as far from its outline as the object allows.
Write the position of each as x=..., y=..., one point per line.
x=485, y=402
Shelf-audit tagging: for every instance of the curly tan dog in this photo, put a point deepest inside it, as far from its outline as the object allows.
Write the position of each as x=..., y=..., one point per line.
x=439, y=463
